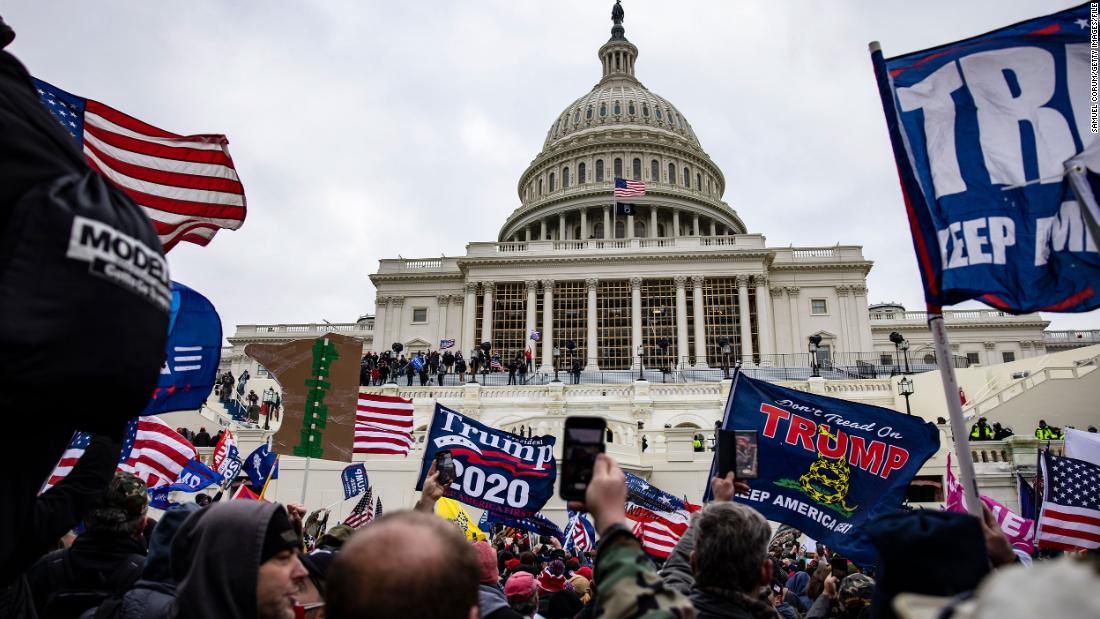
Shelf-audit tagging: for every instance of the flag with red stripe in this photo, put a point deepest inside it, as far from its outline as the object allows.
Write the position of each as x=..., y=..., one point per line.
x=1070, y=516
x=68, y=459
x=362, y=513
x=383, y=424
x=186, y=184
x=657, y=538
x=154, y=451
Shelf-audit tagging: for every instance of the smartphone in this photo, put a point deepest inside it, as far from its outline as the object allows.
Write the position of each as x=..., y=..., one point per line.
x=737, y=452
x=584, y=440
x=445, y=466
x=839, y=566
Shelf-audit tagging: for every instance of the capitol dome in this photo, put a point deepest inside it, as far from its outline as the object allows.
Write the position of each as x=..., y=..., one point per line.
x=620, y=129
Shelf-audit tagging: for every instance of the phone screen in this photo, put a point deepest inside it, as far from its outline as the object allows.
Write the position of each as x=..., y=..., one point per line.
x=445, y=466
x=839, y=567
x=584, y=440
x=747, y=465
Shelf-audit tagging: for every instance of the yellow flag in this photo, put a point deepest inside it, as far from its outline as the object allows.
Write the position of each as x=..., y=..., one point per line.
x=449, y=509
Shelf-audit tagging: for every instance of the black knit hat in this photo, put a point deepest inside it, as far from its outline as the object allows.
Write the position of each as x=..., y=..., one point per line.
x=280, y=536
x=925, y=551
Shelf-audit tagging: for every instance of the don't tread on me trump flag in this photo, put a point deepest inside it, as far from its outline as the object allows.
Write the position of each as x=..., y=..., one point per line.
x=827, y=466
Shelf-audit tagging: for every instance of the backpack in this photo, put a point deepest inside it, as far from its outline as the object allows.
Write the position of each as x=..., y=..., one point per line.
x=72, y=601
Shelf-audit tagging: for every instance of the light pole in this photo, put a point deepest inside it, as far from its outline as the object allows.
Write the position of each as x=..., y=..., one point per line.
x=724, y=344
x=905, y=388
x=571, y=348
x=904, y=346
x=486, y=361
x=663, y=345
x=815, y=343
x=557, y=353
x=641, y=350
x=897, y=339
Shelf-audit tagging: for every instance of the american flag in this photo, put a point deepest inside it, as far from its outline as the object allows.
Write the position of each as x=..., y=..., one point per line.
x=628, y=189
x=378, y=506
x=657, y=538
x=1070, y=516
x=578, y=535
x=362, y=513
x=383, y=425
x=151, y=450
x=187, y=185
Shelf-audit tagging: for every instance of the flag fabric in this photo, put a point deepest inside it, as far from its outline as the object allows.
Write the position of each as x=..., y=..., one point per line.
x=657, y=538
x=354, y=478
x=536, y=523
x=361, y=513
x=579, y=533
x=827, y=466
x=69, y=459
x=227, y=459
x=260, y=465
x=625, y=209
x=1070, y=516
x=245, y=493
x=1019, y=529
x=383, y=424
x=647, y=495
x=194, y=477
x=986, y=133
x=378, y=506
x=1082, y=445
x=536, y=335
x=192, y=353
x=187, y=185
x=494, y=469
x=1027, y=497
x=451, y=511
x=446, y=343
x=628, y=189
x=154, y=452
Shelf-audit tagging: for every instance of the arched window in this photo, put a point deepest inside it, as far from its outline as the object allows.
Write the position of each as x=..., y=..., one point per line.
x=658, y=112
x=599, y=170
x=645, y=110
x=698, y=182
x=639, y=227
x=565, y=178
x=603, y=109
x=687, y=180
x=618, y=108
x=540, y=186
x=631, y=109
x=554, y=186
x=672, y=174
x=654, y=171
x=576, y=232
x=660, y=229
x=637, y=169
x=620, y=229
x=671, y=117
x=588, y=114
x=577, y=116
x=582, y=173
x=597, y=231
x=618, y=168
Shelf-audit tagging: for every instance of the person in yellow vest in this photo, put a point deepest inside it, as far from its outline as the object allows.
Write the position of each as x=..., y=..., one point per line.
x=1043, y=432
x=981, y=431
x=1057, y=434
x=697, y=443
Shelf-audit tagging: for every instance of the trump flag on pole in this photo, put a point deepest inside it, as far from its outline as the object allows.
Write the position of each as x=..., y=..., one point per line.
x=827, y=466
x=193, y=352
x=985, y=133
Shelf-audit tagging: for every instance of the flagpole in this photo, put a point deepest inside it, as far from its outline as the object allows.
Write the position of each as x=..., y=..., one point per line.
x=270, y=474
x=954, y=408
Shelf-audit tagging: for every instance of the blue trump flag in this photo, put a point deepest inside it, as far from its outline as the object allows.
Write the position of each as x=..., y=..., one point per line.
x=355, y=480
x=192, y=355
x=261, y=464
x=496, y=470
x=984, y=132
x=827, y=466
x=536, y=523
x=194, y=477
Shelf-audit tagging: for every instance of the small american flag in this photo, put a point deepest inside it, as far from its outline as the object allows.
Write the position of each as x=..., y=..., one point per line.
x=151, y=450
x=378, y=506
x=187, y=185
x=579, y=537
x=447, y=343
x=383, y=425
x=1070, y=516
x=628, y=189
x=363, y=512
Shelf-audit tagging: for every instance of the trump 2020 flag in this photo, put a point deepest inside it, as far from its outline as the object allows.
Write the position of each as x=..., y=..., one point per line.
x=193, y=351
x=355, y=480
x=984, y=131
x=494, y=469
x=827, y=466
x=194, y=477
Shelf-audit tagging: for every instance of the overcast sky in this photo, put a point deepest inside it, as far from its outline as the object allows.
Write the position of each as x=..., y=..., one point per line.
x=366, y=129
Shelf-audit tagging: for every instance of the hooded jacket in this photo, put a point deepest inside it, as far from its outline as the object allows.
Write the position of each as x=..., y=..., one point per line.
x=797, y=585
x=153, y=595
x=216, y=559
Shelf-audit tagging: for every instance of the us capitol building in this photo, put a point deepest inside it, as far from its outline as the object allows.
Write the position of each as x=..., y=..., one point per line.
x=673, y=288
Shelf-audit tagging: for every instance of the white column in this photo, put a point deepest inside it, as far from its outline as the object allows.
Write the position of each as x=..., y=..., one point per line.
x=591, y=346
x=630, y=225
x=713, y=228
x=681, y=321
x=746, y=326
x=635, y=318
x=775, y=304
x=844, y=315
x=608, y=233
x=487, y=312
x=542, y=230
x=397, y=311
x=527, y=233
x=584, y=224
x=561, y=226
x=695, y=224
x=798, y=344
x=700, y=327
x=441, y=328
x=468, y=309
x=532, y=300
x=675, y=222
x=859, y=302
x=653, y=222
x=381, y=323
x=763, y=317
x=547, y=325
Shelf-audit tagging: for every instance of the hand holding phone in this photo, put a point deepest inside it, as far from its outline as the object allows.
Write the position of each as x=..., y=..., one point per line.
x=738, y=453
x=445, y=466
x=839, y=567
x=584, y=440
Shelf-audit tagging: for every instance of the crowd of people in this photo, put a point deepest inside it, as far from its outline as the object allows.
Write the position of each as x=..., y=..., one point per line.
x=432, y=367
x=982, y=431
x=257, y=559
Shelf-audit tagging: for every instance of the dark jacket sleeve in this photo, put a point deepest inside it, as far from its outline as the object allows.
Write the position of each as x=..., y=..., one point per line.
x=60, y=508
x=503, y=613
x=822, y=607
x=676, y=571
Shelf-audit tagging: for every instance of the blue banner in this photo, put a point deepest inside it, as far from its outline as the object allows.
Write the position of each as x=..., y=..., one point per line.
x=651, y=497
x=580, y=533
x=827, y=466
x=537, y=523
x=355, y=480
x=158, y=497
x=983, y=132
x=495, y=470
x=193, y=351
x=261, y=464
x=194, y=477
